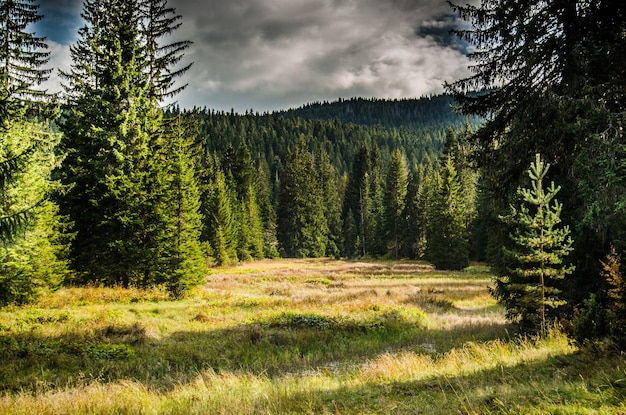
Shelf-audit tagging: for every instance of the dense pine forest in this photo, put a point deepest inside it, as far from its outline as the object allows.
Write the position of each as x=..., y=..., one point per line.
x=266, y=158
x=520, y=165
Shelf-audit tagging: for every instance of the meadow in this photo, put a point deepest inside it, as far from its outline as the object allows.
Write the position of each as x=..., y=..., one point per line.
x=297, y=337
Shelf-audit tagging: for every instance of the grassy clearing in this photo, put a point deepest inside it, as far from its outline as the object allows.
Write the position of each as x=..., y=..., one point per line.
x=298, y=337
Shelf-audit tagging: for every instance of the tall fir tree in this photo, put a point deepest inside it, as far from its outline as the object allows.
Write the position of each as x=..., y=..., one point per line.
x=302, y=227
x=457, y=147
x=157, y=21
x=31, y=248
x=412, y=225
x=267, y=210
x=331, y=201
x=375, y=225
x=119, y=192
x=34, y=260
x=352, y=216
x=22, y=59
x=363, y=204
x=184, y=258
x=241, y=171
x=220, y=228
x=394, y=202
x=448, y=245
x=23, y=56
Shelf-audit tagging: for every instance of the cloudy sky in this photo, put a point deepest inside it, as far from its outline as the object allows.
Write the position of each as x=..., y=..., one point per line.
x=275, y=54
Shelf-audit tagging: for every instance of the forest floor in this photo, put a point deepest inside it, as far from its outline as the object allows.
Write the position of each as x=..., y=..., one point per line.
x=297, y=337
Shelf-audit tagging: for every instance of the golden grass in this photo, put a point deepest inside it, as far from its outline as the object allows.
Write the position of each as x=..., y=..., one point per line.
x=296, y=337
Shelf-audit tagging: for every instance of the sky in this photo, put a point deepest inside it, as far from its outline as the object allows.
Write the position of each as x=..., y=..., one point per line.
x=267, y=55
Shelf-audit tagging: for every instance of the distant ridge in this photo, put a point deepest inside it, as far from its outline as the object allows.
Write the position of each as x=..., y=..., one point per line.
x=422, y=113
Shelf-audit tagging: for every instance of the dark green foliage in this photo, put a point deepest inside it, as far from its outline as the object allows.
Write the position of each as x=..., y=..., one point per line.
x=549, y=78
x=603, y=316
x=530, y=289
x=234, y=221
x=158, y=20
x=394, y=202
x=268, y=136
x=267, y=211
x=240, y=171
x=108, y=162
x=332, y=205
x=413, y=228
x=362, y=205
x=220, y=228
x=183, y=257
x=447, y=237
x=434, y=112
x=334, y=144
x=457, y=146
x=22, y=57
x=31, y=249
x=302, y=227
x=131, y=187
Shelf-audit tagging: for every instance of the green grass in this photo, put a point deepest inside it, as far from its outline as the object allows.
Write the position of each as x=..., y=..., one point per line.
x=296, y=337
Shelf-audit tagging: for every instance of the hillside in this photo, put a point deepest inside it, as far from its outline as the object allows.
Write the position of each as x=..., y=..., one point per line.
x=418, y=127
x=433, y=112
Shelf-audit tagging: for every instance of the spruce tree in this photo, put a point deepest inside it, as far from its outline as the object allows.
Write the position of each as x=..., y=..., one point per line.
x=31, y=248
x=302, y=227
x=185, y=262
x=330, y=197
x=375, y=224
x=355, y=211
x=121, y=185
x=22, y=57
x=157, y=21
x=34, y=260
x=412, y=230
x=239, y=167
x=530, y=290
x=548, y=78
x=267, y=210
x=448, y=245
x=220, y=228
x=394, y=202
x=364, y=202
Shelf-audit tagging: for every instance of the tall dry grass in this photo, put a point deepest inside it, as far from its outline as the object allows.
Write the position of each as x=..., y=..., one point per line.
x=297, y=337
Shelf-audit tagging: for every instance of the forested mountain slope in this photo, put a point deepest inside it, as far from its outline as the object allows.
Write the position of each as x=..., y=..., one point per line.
x=432, y=112
x=418, y=127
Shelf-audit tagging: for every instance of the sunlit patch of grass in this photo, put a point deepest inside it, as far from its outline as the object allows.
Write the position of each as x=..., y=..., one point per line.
x=70, y=297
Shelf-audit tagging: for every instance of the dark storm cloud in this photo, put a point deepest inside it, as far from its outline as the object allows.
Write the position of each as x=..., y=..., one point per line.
x=271, y=54
x=61, y=19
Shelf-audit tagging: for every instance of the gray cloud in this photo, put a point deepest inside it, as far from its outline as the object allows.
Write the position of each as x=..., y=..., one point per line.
x=272, y=54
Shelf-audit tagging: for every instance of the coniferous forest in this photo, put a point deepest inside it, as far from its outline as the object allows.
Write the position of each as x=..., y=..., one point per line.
x=521, y=165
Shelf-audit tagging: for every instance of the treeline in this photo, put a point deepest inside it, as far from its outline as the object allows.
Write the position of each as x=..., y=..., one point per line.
x=299, y=205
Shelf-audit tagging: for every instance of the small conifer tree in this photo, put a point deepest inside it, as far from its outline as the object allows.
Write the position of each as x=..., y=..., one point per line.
x=530, y=290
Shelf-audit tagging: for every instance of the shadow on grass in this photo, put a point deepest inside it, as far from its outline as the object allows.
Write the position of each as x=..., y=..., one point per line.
x=558, y=384
x=276, y=346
